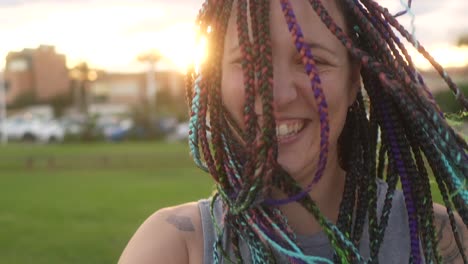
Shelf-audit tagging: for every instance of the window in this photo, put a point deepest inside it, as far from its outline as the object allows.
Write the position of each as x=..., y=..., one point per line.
x=18, y=65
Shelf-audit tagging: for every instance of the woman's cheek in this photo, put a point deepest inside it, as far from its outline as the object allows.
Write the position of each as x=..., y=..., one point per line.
x=336, y=94
x=232, y=93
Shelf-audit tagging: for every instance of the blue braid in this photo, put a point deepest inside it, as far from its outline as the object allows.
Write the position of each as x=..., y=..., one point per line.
x=295, y=254
x=194, y=126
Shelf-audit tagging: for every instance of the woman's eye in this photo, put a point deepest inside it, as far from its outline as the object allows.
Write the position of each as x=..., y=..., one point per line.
x=237, y=61
x=317, y=61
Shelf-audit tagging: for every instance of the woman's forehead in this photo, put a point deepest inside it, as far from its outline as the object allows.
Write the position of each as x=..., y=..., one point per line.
x=313, y=29
x=299, y=6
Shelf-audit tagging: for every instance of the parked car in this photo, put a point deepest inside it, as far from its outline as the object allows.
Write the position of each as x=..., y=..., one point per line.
x=180, y=133
x=72, y=127
x=118, y=131
x=30, y=128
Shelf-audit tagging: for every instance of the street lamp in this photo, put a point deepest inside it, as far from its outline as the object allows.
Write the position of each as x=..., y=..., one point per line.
x=84, y=75
x=151, y=58
x=3, y=107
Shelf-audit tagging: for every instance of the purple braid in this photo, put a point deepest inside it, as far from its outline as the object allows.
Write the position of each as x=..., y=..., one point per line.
x=312, y=72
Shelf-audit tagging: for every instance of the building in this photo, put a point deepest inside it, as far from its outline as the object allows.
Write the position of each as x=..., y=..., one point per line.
x=131, y=88
x=39, y=74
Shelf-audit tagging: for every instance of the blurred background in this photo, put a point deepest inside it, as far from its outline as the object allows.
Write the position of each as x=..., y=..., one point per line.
x=93, y=120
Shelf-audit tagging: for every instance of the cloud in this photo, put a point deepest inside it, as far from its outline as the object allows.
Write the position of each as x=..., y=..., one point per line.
x=10, y=2
x=94, y=30
x=436, y=22
x=27, y=23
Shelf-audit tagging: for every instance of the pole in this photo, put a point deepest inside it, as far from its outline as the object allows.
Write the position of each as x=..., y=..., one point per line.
x=151, y=91
x=3, y=108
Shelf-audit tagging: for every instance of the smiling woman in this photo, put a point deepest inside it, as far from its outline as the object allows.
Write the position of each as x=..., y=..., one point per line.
x=307, y=114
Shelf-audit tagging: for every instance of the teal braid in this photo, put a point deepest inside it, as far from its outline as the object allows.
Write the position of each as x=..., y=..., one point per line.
x=444, y=192
x=295, y=254
x=460, y=189
x=402, y=109
x=232, y=165
x=194, y=126
x=342, y=246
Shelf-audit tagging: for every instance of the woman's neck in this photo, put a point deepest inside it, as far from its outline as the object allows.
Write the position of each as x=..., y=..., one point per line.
x=327, y=194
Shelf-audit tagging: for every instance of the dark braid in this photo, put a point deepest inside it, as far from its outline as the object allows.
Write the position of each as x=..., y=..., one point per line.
x=404, y=119
x=427, y=214
x=392, y=179
x=218, y=30
x=381, y=164
x=250, y=118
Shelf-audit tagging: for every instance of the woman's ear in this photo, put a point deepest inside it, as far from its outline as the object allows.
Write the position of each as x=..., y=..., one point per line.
x=354, y=80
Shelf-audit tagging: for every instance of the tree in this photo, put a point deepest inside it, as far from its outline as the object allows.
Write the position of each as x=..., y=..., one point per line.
x=147, y=111
x=151, y=58
x=463, y=40
x=82, y=75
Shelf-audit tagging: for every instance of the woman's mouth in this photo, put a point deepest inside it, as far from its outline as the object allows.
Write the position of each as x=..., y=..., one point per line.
x=288, y=130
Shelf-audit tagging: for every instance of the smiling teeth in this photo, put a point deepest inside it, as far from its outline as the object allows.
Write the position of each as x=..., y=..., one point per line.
x=288, y=129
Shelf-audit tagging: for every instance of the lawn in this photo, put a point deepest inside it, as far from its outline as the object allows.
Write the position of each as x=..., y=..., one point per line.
x=81, y=203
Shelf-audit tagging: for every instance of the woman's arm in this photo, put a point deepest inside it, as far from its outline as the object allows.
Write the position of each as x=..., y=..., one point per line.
x=163, y=237
x=445, y=238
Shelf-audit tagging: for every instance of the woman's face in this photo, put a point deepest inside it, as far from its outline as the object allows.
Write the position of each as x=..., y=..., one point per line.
x=295, y=110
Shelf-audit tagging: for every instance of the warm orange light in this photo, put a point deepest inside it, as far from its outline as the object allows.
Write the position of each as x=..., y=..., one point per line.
x=183, y=46
x=446, y=55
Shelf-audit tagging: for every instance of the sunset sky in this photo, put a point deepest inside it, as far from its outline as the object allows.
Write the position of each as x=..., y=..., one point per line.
x=111, y=34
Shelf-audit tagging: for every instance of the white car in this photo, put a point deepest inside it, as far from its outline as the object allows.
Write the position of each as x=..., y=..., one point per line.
x=181, y=133
x=27, y=128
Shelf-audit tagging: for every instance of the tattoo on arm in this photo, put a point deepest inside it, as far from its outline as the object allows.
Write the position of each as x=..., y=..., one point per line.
x=445, y=238
x=182, y=223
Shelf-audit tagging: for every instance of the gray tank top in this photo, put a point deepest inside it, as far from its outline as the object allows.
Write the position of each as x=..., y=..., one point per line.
x=395, y=246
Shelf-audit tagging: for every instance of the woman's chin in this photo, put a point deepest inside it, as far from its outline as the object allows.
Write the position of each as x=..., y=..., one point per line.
x=292, y=164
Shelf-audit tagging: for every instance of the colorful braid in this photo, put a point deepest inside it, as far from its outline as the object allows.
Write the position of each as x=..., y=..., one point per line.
x=403, y=116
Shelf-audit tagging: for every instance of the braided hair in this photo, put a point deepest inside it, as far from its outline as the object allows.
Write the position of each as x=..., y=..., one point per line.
x=394, y=136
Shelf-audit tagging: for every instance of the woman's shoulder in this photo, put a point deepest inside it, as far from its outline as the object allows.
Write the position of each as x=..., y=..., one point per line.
x=170, y=235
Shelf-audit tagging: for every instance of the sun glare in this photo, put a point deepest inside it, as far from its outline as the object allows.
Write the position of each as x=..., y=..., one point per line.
x=111, y=37
x=182, y=46
x=446, y=55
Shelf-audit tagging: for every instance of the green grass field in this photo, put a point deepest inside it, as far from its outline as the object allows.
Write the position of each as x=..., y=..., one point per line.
x=81, y=203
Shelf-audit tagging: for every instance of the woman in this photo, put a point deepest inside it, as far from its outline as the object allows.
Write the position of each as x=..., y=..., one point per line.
x=305, y=170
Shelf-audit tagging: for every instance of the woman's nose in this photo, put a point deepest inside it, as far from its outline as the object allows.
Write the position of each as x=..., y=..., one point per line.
x=284, y=91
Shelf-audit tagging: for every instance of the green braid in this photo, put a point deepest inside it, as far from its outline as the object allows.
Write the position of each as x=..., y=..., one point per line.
x=403, y=117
